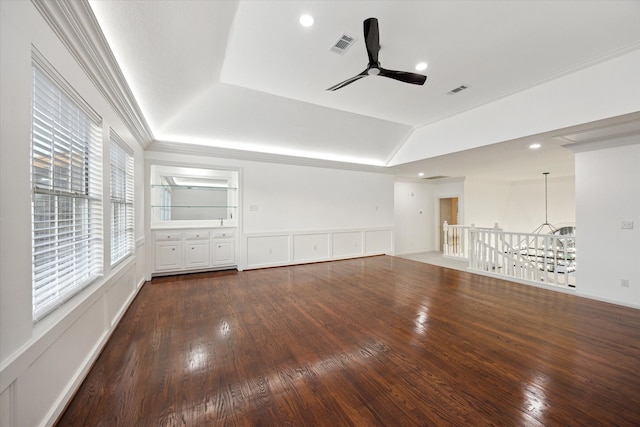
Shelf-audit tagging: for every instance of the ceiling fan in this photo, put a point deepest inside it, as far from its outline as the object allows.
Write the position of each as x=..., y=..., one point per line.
x=372, y=41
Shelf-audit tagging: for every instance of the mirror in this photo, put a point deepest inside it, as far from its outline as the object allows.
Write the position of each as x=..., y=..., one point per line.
x=182, y=194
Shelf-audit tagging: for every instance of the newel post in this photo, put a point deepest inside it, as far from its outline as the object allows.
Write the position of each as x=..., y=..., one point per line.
x=445, y=236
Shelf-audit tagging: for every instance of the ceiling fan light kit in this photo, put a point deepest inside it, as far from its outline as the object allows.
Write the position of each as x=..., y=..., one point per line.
x=372, y=41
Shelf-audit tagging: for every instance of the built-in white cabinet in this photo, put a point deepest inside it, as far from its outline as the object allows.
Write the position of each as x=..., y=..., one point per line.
x=168, y=256
x=168, y=251
x=186, y=250
x=223, y=244
x=223, y=252
x=197, y=249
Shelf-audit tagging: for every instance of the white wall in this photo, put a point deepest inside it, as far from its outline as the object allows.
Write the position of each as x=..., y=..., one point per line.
x=40, y=365
x=295, y=214
x=519, y=205
x=417, y=212
x=608, y=192
x=525, y=209
x=414, y=217
x=288, y=212
x=485, y=201
x=446, y=189
x=291, y=197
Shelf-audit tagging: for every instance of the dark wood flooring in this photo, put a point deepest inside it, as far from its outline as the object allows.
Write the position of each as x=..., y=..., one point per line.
x=378, y=341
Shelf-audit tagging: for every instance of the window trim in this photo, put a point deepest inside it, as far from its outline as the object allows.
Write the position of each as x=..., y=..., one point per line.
x=127, y=201
x=67, y=207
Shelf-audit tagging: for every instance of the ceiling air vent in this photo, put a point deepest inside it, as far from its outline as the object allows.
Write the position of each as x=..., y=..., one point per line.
x=343, y=43
x=435, y=177
x=458, y=89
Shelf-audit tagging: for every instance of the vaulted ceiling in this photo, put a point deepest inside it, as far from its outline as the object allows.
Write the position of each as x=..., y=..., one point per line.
x=245, y=75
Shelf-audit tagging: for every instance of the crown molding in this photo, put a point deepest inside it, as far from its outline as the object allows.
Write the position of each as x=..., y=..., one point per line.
x=76, y=26
x=583, y=147
x=228, y=153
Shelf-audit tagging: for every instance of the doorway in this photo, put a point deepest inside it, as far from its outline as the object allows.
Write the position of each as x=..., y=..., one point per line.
x=449, y=213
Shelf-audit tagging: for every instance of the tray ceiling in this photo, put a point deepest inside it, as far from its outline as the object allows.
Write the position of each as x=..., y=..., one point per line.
x=246, y=75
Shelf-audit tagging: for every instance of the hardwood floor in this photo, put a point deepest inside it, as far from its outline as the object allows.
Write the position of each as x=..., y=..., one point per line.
x=372, y=341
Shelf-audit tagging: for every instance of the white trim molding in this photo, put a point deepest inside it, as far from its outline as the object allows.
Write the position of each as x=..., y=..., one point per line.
x=602, y=144
x=229, y=153
x=76, y=26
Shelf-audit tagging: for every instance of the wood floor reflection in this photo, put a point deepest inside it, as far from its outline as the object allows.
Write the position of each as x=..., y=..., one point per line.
x=373, y=341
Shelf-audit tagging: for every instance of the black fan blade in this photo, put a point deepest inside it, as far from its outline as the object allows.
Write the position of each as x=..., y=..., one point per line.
x=349, y=81
x=372, y=40
x=403, y=76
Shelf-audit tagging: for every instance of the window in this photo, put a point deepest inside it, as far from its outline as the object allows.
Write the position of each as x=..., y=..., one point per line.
x=66, y=178
x=121, y=199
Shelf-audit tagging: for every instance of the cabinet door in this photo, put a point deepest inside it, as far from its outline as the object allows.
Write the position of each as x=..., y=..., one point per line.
x=197, y=254
x=223, y=252
x=168, y=256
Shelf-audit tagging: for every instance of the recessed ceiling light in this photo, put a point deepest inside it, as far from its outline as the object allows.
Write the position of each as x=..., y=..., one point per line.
x=535, y=146
x=421, y=174
x=421, y=66
x=307, y=20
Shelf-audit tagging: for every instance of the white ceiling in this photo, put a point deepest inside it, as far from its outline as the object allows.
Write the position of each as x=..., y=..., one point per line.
x=514, y=160
x=246, y=75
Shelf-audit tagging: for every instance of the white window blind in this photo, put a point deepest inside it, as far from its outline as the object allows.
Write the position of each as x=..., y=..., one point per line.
x=66, y=191
x=122, y=219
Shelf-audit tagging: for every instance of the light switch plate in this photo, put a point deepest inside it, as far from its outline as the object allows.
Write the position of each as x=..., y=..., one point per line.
x=626, y=225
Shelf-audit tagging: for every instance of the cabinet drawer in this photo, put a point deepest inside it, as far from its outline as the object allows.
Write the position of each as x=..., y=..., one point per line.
x=167, y=236
x=223, y=234
x=196, y=235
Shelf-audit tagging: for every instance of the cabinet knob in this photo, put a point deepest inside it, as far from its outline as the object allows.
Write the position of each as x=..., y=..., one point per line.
x=173, y=249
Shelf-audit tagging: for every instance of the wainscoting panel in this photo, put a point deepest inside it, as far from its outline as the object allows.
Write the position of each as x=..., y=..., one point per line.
x=59, y=365
x=310, y=247
x=64, y=351
x=377, y=241
x=298, y=247
x=268, y=250
x=348, y=244
x=118, y=294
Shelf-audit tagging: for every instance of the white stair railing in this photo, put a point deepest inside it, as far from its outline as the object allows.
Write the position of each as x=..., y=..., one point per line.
x=529, y=257
x=456, y=240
